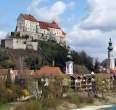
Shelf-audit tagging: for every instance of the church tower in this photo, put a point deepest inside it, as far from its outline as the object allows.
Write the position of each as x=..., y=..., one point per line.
x=111, y=62
x=69, y=64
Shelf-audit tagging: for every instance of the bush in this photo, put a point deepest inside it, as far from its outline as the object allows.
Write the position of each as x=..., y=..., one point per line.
x=52, y=103
x=86, y=100
x=8, y=95
x=32, y=105
x=73, y=99
x=39, y=105
x=24, y=92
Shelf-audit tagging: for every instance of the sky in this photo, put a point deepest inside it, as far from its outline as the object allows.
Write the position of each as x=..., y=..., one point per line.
x=88, y=23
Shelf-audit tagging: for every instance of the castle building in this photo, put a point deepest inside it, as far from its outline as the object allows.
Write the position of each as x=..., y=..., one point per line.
x=29, y=30
x=39, y=30
x=111, y=61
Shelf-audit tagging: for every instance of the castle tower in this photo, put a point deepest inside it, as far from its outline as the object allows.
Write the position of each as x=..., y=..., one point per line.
x=69, y=64
x=111, y=62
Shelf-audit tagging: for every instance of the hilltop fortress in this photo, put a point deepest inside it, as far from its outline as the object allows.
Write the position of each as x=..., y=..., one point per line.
x=29, y=30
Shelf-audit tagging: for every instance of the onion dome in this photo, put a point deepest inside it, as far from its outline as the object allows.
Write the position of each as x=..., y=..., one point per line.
x=110, y=47
x=69, y=56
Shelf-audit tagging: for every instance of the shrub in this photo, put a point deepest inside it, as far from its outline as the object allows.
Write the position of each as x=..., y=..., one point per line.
x=52, y=103
x=9, y=92
x=73, y=99
x=86, y=100
x=24, y=92
x=8, y=95
x=31, y=105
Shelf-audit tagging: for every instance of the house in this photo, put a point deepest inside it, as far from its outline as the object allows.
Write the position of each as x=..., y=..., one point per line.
x=3, y=74
x=48, y=71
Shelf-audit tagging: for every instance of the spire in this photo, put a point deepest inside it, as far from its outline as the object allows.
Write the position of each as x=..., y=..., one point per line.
x=110, y=47
x=110, y=41
x=111, y=62
x=69, y=63
x=69, y=57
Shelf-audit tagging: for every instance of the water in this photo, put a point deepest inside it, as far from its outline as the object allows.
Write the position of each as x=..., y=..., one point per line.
x=113, y=107
x=102, y=107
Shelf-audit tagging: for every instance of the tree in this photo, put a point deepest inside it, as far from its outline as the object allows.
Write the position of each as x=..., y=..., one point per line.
x=50, y=51
x=8, y=80
x=8, y=64
x=104, y=62
x=80, y=69
x=102, y=84
x=81, y=58
x=33, y=62
x=49, y=85
x=97, y=65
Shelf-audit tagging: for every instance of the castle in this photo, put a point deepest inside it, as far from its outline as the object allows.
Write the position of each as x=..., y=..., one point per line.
x=29, y=30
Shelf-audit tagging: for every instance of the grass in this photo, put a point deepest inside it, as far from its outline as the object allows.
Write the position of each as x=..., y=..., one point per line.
x=30, y=105
x=46, y=104
x=5, y=106
x=8, y=106
x=79, y=100
x=54, y=103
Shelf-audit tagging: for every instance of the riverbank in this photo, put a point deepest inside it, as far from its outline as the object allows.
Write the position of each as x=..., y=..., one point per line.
x=95, y=107
x=108, y=103
x=71, y=103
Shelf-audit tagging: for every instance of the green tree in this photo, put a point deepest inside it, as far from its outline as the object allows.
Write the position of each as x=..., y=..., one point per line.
x=8, y=80
x=33, y=62
x=8, y=63
x=50, y=51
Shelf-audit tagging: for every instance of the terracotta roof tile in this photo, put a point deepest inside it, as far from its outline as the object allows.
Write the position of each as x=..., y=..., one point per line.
x=3, y=71
x=113, y=70
x=46, y=25
x=49, y=71
x=29, y=17
x=53, y=25
x=43, y=25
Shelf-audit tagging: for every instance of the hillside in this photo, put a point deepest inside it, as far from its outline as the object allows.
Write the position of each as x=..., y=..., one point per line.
x=47, y=53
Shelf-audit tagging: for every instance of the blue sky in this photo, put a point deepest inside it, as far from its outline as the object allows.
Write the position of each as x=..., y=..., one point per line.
x=10, y=9
x=88, y=23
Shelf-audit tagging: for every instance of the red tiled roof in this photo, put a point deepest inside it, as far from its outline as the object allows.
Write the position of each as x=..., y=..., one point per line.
x=29, y=17
x=46, y=25
x=17, y=72
x=49, y=71
x=53, y=25
x=113, y=70
x=43, y=25
x=3, y=71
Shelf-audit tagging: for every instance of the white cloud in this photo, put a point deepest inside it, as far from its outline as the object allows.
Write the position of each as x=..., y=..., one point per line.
x=101, y=16
x=93, y=32
x=3, y=34
x=48, y=12
x=71, y=4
